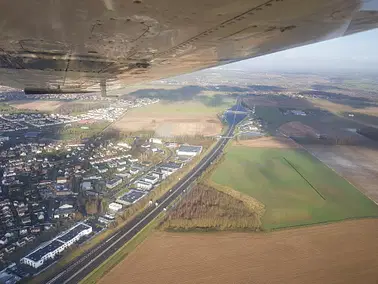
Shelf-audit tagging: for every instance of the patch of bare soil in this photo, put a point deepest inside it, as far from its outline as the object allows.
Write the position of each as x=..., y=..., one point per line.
x=298, y=129
x=171, y=125
x=340, y=253
x=37, y=105
x=268, y=142
x=357, y=164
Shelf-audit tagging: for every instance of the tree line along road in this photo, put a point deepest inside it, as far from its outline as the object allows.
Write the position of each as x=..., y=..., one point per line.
x=80, y=267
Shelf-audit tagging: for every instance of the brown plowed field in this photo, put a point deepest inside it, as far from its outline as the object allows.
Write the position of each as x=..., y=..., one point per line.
x=268, y=142
x=168, y=126
x=174, y=119
x=358, y=164
x=37, y=105
x=296, y=128
x=343, y=252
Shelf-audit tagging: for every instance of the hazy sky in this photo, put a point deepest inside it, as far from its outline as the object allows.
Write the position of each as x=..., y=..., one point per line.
x=357, y=52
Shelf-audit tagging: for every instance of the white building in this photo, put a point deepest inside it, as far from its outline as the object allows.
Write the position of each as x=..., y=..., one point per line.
x=61, y=180
x=134, y=171
x=122, y=162
x=124, y=145
x=187, y=150
x=102, y=169
x=171, y=145
x=113, y=183
x=298, y=112
x=104, y=220
x=57, y=245
x=158, y=175
x=146, y=145
x=121, y=168
x=143, y=185
x=124, y=175
x=151, y=179
x=156, y=141
x=115, y=206
x=64, y=211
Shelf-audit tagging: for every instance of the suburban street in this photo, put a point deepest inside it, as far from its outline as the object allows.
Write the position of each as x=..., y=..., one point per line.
x=82, y=266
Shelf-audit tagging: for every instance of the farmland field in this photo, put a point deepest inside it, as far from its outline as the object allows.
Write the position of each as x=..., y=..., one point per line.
x=277, y=101
x=369, y=120
x=295, y=188
x=340, y=108
x=76, y=131
x=39, y=105
x=274, y=118
x=74, y=107
x=269, y=142
x=174, y=119
x=344, y=252
x=296, y=128
x=316, y=121
x=357, y=164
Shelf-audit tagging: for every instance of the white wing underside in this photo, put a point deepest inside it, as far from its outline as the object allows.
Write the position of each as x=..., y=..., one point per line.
x=82, y=45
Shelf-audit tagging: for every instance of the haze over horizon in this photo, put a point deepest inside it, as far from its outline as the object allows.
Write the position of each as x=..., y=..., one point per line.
x=355, y=53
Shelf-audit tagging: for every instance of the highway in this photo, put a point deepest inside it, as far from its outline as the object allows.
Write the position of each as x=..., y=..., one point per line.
x=84, y=264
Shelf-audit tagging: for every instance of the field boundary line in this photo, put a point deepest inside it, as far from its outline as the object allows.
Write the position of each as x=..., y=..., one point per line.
x=322, y=223
x=339, y=174
x=309, y=183
x=331, y=168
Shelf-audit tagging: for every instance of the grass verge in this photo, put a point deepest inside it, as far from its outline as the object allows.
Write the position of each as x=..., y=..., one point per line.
x=120, y=254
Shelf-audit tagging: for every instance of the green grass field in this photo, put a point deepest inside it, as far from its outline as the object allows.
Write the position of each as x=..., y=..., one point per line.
x=296, y=188
x=76, y=132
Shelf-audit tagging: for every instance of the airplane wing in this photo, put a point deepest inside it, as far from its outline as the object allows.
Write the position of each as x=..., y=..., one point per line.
x=49, y=46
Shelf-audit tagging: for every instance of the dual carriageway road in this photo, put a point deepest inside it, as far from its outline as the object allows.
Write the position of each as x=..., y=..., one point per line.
x=79, y=268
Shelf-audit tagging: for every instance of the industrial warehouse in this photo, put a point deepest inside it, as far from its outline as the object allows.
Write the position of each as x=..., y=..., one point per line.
x=52, y=249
